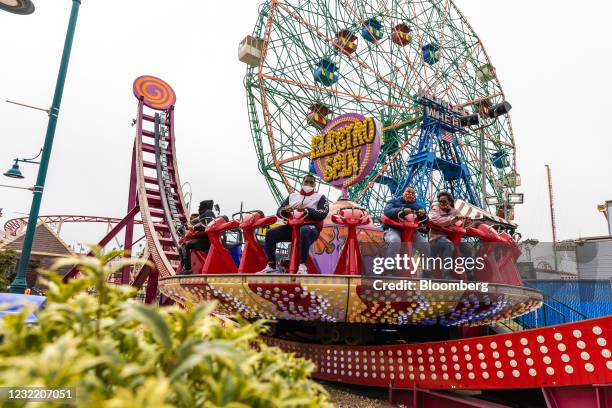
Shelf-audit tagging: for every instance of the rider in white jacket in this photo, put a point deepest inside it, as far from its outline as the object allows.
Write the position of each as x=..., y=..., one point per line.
x=316, y=207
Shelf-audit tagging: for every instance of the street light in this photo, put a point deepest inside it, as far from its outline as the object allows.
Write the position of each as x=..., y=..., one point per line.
x=492, y=200
x=19, y=285
x=516, y=198
x=508, y=198
x=14, y=171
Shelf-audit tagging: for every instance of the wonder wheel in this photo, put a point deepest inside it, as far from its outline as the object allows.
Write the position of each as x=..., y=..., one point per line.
x=311, y=61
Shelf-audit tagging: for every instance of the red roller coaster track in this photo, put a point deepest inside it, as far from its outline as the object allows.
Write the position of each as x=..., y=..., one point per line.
x=13, y=226
x=154, y=187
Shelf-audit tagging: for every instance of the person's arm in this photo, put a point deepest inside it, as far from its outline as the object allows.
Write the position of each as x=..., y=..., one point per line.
x=392, y=210
x=281, y=212
x=319, y=213
x=437, y=216
x=421, y=213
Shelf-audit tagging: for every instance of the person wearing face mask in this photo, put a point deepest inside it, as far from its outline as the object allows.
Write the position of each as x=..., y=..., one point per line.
x=315, y=206
x=444, y=214
x=397, y=208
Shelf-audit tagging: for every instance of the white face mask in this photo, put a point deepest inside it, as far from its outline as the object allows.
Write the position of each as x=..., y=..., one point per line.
x=307, y=189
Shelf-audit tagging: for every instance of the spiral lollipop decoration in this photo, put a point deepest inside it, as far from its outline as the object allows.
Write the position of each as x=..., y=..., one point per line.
x=155, y=93
x=17, y=6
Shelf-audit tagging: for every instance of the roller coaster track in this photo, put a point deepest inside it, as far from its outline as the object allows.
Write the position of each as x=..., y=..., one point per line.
x=155, y=188
x=13, y=226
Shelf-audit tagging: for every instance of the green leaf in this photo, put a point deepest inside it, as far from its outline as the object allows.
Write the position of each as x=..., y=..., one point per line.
x=151, y=319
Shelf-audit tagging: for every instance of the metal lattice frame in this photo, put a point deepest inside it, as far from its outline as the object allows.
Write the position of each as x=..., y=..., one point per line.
x=380, y=79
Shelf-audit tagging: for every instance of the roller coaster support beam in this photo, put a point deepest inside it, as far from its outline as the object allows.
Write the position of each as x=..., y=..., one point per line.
x=19, y=285
x=129, y=228
x=126, y=221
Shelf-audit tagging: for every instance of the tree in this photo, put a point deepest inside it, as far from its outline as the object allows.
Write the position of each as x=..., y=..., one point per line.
x=117, y=352
x=8, y=259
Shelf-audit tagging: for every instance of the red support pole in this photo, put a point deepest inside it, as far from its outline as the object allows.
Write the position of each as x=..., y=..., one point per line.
x=132, y=200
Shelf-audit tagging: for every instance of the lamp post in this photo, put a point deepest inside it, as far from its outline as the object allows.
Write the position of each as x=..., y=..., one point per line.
x=19, y=284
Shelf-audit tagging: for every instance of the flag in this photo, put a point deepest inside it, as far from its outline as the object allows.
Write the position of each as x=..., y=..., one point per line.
x=448, y=137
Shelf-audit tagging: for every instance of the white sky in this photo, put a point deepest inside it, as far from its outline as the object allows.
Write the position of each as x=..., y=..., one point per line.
x=553, y=59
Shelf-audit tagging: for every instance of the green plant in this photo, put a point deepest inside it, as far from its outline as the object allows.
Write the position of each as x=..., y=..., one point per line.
x=117, y=352
x=8, y=259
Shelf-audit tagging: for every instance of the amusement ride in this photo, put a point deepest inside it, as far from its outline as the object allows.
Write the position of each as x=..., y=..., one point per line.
x=371, y=96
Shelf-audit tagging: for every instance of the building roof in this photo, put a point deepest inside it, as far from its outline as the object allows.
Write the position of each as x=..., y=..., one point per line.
x=46, y=242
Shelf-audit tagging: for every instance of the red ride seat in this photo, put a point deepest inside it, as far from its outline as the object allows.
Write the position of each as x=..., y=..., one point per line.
x=407, y=225
x=198, y=257
x=219, y=260
x=295, y=220
x=507, y=265
x=253, y=257
x=502, y=270
x=455, y=234
x=350, y=261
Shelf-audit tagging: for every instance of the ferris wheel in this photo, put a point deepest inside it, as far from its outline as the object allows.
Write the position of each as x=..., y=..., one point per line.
x=404, y=63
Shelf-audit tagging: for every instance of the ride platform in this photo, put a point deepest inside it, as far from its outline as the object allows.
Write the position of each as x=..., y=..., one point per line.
x=352, y=299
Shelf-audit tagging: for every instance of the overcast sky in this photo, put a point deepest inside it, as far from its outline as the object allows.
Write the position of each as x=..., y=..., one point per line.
x=553, y=59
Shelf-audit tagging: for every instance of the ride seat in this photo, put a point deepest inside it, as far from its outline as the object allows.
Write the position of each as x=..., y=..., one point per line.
x=295, y=220
x=219, y=260
x=455, y=234
x=253, y=256
x=407, y=225
x=500, y=269
x=350, y=261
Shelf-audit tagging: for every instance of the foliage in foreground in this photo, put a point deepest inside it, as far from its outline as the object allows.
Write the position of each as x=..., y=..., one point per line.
x=120, y=353
x=8, y=259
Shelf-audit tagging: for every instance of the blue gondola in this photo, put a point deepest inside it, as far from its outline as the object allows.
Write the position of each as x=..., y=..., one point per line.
x=372, y=30
x=500, y=159
x=325, y=72
x=431, y=53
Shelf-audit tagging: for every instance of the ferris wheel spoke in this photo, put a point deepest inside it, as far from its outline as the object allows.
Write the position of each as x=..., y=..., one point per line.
x=478, y=100
x=331, y=42
x=408, y=59
x=416, y=19
x=458, y=73
x=440, y=43
x=378, y=44
x=264, y=101
x=334, y=91
x=479, y=168
x=384, y=167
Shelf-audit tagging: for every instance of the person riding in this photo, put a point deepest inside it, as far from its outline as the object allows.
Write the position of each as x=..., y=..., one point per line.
x=444, y=214
x=397, y=208
x=201, y=241
x=315, y=206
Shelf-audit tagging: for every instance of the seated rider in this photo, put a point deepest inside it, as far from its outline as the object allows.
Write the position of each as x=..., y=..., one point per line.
x=444, y=214
x=202, y=243
x=397, y=208
x=316, y=207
